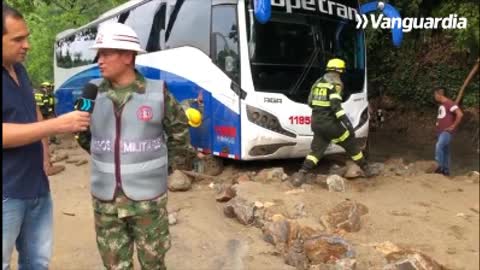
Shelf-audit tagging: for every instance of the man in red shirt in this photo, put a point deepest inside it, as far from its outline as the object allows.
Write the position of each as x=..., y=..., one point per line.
x=449, y=116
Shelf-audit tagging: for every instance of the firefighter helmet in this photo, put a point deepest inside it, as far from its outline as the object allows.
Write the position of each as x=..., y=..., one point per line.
x=336, y=64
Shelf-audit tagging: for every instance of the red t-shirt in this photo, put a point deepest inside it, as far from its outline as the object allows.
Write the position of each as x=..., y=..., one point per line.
x=446, y=115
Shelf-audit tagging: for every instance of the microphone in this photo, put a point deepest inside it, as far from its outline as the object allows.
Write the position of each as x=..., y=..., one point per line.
x=87, y=101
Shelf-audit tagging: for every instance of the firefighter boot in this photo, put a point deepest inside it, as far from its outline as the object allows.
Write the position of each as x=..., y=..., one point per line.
x=367, y=170
x=298, y=178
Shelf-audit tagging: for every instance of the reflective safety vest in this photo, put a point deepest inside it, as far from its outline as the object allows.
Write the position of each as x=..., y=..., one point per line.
x=45, y=101
x=322, y=92
x=128, y=146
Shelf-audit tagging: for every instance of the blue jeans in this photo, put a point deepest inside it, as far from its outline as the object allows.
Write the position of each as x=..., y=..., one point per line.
x=28, y=224
x=442, y=152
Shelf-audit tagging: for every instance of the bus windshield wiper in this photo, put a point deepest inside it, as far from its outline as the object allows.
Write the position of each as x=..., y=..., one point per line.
x=305, y=72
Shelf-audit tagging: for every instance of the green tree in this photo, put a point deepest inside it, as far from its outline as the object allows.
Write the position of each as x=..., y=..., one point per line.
x=47, y=18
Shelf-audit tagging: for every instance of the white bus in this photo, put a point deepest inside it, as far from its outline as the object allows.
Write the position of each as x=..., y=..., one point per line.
x=255, y=77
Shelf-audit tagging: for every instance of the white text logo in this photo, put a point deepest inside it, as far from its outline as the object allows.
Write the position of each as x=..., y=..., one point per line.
x=407, y=24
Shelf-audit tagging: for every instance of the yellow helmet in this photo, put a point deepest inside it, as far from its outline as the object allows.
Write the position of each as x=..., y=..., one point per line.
x=336, y=64
x=194, y=117
x=45, y=84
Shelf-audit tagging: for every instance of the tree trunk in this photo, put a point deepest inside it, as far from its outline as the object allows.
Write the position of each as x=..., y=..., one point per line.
x=467, y=81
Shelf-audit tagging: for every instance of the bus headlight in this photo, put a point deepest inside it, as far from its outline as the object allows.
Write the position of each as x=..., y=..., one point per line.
x=266, y=120
x=363, y=118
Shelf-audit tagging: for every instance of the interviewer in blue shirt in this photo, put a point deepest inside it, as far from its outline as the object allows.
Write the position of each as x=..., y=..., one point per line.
x=27, y=205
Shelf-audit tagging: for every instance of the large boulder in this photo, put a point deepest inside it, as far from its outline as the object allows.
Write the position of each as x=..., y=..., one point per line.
x=345, y=216
x=178, y=181
x=327, y=249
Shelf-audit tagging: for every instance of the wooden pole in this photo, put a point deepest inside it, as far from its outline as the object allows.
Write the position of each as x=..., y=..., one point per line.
x=467, y=81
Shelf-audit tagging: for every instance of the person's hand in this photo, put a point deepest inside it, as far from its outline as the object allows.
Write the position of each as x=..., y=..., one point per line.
x=200, y=97
x=46, y=165
x=450, y=128
x=72, y=122
x=200, y=155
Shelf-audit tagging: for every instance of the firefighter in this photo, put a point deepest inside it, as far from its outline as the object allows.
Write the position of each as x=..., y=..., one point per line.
x=330, y=124
x=45, y=100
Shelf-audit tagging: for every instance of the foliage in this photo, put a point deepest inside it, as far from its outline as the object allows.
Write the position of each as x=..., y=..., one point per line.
x=47, y=18
x=427, y=58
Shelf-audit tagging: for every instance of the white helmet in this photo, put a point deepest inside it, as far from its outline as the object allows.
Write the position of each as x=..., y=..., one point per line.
x=117, y=36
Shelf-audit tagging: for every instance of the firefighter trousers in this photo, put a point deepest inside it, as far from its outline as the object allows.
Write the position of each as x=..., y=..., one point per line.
x=332, y=132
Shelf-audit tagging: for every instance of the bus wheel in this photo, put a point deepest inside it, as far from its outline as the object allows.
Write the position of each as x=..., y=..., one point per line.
x=209, y=165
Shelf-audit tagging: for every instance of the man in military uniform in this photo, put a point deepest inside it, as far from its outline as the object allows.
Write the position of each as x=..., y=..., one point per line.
x=330, y=124
x=129, y=151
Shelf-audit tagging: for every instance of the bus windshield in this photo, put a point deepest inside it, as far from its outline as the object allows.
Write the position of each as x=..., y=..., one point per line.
x=290, y=52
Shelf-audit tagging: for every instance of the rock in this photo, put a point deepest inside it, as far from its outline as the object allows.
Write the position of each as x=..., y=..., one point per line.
x=268, y=204
x=226, y=193
x=414, y=261
x=327, y=249
x=243, y=178
x=209, y=165
x=258, y=205
x=295, y=256
x=451, y=250
x=240, y=208
x=346, y=264
x=271, y=175
x=475, y=208
x=178, y=181
x=81, y=162
x=295, y=191
x=377, y=168
x=70, y=160
x=353, y=170
x=172, y=218
x=300, y=210
x=346, y=216
x=306, y=187
x=473, y=177
x=386, y=247
x=336, y=183
x=277, y=232
x=424, y=166
x=54, y=169
x=59, y=157
x=337, y=169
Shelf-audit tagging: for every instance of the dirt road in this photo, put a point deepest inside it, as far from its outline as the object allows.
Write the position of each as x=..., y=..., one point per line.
x=427, y=212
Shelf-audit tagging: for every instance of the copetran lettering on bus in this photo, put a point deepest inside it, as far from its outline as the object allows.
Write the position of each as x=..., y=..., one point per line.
x=314, y=6
x=140, y=146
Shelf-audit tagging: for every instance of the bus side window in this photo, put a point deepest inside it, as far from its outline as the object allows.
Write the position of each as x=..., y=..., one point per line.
x=224, y=40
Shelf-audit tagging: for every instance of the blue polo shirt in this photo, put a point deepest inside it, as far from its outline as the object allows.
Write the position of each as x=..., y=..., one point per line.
x=22, y=167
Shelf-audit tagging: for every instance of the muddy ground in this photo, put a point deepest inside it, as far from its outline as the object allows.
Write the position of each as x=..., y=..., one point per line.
x=427, y=212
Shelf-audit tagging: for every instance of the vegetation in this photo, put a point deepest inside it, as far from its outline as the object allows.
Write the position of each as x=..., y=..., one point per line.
x=47, y=18
x=425, y=59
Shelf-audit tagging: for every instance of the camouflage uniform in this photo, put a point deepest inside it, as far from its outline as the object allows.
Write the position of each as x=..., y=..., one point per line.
x=121, y=222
